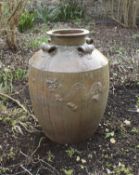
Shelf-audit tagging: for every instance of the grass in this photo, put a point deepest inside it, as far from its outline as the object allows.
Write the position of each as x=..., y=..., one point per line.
x=15, y=118
x=36, y=43
x=8, y=75
x=26, y=20
x=122, y=169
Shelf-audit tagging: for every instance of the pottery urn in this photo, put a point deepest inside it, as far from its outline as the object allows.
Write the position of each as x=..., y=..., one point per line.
x=68, y=84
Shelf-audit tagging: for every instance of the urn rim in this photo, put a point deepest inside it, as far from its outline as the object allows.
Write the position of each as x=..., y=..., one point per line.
x=70, y=32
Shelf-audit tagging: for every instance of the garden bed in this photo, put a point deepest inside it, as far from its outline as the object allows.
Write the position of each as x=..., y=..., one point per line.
x=114, y=148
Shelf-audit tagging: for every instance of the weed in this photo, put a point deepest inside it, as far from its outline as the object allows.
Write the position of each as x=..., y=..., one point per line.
x=50, y=156
x=20, y=74
x=6, y=79
x=26, y=20
x=109, y=134
x=8, y=75
x=14, y=117
x=68, y=10
x=3, y=170
x=122, y=169
x=44, y=14
x=135, y=130
x=68, y=172
x=70, y=152
x=37, y=42
x=11, y=154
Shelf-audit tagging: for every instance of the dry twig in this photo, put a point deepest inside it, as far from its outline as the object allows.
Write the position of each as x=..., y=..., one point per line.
x=26, y=170
x=18, y=103
x=14, y=100
x=37, y=146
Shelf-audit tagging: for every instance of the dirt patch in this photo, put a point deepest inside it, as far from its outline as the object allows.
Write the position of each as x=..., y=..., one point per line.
x=114, y=148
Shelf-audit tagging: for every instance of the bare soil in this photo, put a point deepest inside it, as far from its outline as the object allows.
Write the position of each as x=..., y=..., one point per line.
x=114, y=148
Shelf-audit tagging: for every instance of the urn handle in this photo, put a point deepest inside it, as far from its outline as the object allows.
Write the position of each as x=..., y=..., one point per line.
x=86, y=48
x=48, y=48
x=89, y=40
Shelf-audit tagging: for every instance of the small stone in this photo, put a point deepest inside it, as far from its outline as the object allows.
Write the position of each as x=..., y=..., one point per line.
x=112, y=140
x=90, y=156
x=78, y=159
x=83, y=161
x=127, y=122
x=108, y=171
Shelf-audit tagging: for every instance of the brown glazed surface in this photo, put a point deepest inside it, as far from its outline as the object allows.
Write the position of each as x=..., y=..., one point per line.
x=68, y=83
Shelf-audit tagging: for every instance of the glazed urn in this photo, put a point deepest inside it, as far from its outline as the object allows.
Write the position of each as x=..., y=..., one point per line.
x=68, y=85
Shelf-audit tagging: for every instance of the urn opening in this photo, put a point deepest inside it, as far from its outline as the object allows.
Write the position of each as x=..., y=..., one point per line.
x=68, y=36
x=68, y=32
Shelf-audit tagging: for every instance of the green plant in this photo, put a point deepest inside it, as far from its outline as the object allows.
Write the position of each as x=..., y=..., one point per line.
x=14, y=117
x=70, y=152
x=11, y=154
x=35, y=43
x=50, y=157
x=26, y=20
x=20, y=74
x=8, y=75
x=68, y=172
x=43, y=14
x=68, y=10
x=122, y=169
x=6, y=78
x=3, y=170
x=109, y=134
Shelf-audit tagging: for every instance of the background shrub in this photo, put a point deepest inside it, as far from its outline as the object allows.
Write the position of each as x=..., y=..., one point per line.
x=26, y=20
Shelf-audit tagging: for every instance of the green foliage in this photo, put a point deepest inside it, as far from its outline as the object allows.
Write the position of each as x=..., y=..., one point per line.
x=44, y=14
x=35, y=43
x=122, y=169
x=135, y=130
x=68, y=10
x=68, y=172
x=50, y=157
x=64, y=11
x=11, y=154
x=3, y=170
x=109, y=134
x=8, y=75
x=70, y=152
x=19, y=74
x=15, y=118
x=26, y=20
x=6, y=78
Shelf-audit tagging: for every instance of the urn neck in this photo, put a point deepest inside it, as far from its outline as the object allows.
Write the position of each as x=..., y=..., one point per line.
x=69, y=37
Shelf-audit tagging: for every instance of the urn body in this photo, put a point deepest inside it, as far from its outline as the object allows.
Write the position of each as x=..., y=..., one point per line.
x=68, y=84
